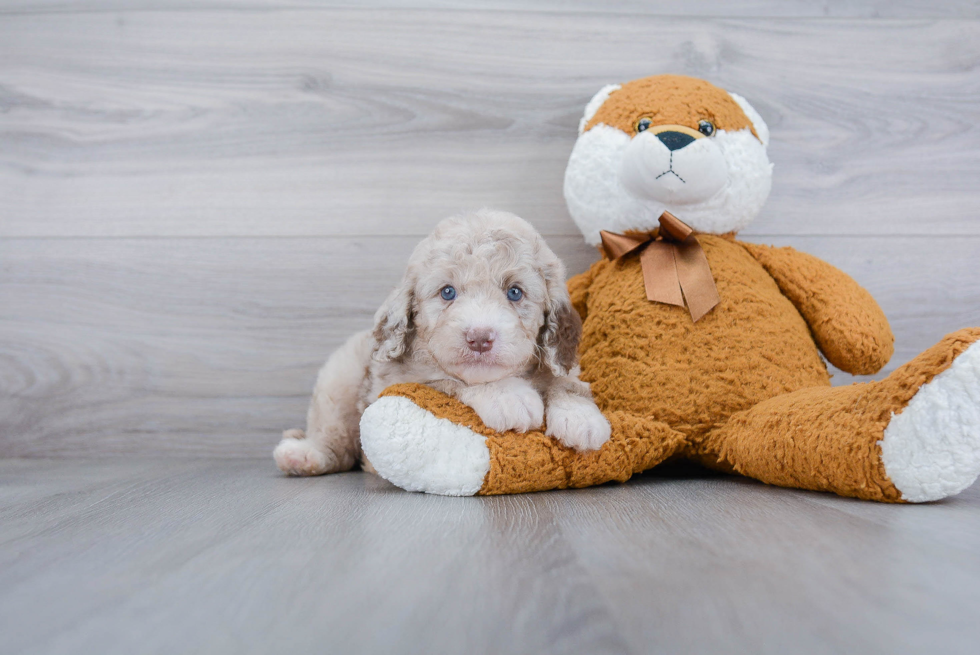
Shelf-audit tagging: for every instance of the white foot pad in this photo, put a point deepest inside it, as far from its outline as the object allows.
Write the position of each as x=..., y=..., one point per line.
x=932, y=449
x=417, y=451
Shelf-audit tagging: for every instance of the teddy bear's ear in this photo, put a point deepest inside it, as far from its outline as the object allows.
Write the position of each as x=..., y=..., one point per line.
x=594, y=104
x=760, y=125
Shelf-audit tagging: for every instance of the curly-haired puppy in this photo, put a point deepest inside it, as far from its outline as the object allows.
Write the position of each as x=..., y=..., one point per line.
x=482, y=314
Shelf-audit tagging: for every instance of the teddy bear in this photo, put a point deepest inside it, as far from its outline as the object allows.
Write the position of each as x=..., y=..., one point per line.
x=702, y=347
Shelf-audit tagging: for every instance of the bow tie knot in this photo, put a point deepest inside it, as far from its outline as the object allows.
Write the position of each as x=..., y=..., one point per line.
x=674, y=265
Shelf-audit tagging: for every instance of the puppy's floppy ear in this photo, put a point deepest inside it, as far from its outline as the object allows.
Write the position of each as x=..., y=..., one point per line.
x=394, y=324
x=562, y=327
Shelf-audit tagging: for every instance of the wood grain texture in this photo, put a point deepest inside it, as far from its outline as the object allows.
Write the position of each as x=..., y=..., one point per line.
x=362, y=122
x=210, y=346
x=775, y=571
x=200, y=200
x=199, y=203
x=168, y=556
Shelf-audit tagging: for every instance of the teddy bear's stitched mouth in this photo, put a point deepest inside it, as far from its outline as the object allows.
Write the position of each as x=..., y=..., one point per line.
x=670, y=169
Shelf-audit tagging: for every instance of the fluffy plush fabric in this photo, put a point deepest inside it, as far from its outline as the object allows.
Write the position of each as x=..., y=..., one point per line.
x=932, y=448
x=821, y=438
x=597, y=101
x=844, y=319
x=744, y=389
x=419, y=451
x=603, y=157
x=650, y=359
x=634, y=447
x=760, y=128
x=670, y=100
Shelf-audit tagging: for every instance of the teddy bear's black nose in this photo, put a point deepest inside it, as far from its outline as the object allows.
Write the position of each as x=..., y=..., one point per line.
x=675, y=140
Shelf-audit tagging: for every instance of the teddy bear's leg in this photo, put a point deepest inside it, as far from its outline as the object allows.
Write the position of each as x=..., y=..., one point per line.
x=422, y=440
x=912, y=437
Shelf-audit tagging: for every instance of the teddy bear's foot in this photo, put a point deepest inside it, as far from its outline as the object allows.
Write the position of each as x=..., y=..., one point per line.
x=418, y=451
x=931, y=449
x=423, y=440
x=912, y=437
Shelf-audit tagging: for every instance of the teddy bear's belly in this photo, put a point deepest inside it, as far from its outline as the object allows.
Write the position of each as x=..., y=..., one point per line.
x=650, y=359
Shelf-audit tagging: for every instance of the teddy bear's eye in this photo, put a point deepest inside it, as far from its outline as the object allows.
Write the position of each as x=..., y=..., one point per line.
x=643, y=124
x=514, y=294
x=706, y=128
x=448, y=292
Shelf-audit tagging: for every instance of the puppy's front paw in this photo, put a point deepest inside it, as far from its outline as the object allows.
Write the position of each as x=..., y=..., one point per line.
x=507, y=406
x=578, y=423
x=298, y=456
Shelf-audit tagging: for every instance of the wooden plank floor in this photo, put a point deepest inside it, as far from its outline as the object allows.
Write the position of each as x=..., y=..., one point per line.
x=212, y=556
x=200, y=199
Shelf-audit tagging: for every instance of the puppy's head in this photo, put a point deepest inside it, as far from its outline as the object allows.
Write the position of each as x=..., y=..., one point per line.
x=667, y=142
x=484, y=298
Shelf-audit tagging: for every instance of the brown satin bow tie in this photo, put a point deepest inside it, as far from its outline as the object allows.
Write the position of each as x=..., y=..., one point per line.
x=674, y=265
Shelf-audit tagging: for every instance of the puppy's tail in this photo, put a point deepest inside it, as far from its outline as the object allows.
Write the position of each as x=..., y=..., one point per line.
x=295, y=433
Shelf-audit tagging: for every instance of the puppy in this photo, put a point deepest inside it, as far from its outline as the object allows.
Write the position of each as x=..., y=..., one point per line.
x=482, y=314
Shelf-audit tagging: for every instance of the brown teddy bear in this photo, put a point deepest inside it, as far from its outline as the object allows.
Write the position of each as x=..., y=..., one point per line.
x=700, y=346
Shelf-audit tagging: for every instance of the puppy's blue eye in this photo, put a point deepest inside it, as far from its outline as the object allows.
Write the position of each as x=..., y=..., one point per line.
x=514, y=294
x=448, y=293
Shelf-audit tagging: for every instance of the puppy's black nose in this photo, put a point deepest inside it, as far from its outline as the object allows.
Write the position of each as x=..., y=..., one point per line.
x=674, y=140
x=480, y=340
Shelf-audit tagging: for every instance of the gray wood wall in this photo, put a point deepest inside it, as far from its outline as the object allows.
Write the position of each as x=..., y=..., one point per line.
x=199, y=200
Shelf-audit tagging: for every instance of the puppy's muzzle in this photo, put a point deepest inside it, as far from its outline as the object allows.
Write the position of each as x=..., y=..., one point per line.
x=480, y=340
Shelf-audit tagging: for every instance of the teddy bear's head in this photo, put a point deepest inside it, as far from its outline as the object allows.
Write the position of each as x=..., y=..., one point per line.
x=667, y=143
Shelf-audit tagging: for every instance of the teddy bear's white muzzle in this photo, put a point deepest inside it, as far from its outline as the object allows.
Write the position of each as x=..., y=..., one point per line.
x=672, y=172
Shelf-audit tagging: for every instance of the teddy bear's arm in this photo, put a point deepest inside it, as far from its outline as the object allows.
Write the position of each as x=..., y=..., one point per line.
x=847, y=323
x=578, y=289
